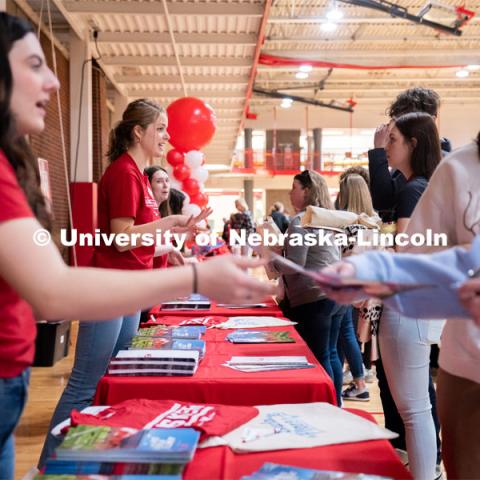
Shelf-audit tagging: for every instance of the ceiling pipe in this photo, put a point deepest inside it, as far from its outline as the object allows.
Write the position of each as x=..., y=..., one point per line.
x=275, y=61
x=256, y=57
x=309, y=101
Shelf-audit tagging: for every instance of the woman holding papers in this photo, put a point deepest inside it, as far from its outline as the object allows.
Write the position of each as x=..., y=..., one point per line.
x=449, y=205
x=318, y=317
x=34, y=280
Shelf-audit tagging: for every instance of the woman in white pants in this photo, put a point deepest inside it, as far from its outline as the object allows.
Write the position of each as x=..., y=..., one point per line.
x=413, y=148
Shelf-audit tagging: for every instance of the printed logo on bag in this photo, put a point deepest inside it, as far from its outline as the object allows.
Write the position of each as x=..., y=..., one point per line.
x=183, y=416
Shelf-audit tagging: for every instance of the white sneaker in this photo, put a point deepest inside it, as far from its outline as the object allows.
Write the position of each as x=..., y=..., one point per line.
x=369, y=375
x=347, y=377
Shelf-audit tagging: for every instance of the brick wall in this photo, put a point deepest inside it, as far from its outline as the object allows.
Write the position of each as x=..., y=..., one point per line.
x=100, y=122
x=48, y=144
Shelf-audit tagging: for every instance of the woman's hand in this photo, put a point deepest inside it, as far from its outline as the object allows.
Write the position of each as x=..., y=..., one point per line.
x=469, y=294
x=189, y=224
x=176, y=258
x=381, y=136
x=225, y=280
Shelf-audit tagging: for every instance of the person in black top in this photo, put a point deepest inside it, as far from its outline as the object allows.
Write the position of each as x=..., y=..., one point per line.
x=384, y=185
x=279, y=217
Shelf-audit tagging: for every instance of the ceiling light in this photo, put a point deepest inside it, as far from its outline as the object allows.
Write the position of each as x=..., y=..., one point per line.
x=301, y=75
x=328, y=27
x=463, y=73
x=286, y=102
x=334, y=15
x=473, y=68
x=305, y=68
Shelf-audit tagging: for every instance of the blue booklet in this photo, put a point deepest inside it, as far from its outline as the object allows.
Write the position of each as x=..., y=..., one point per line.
x=250, y=336
x=121, y=444
x=273, y=470
x=193, y=332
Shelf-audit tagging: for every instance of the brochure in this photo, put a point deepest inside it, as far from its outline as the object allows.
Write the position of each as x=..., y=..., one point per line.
x=249, y=336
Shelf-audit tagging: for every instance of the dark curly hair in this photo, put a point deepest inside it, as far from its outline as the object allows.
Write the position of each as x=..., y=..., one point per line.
x=417, y=99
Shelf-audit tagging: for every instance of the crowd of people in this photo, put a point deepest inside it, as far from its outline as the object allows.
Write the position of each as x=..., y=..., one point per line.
x=409, y=187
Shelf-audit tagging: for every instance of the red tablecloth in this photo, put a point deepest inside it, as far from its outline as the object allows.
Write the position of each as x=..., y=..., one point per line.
x=271, y=309
x=214, y=383
x=375, y=457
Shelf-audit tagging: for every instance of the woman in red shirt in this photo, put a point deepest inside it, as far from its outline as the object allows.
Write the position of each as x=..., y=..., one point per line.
x=34, y=278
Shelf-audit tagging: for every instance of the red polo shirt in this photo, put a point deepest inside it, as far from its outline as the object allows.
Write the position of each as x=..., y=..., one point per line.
x=17, y=323
x=123, y=191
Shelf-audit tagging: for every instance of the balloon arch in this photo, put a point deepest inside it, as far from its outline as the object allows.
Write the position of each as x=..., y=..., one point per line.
x=191, y=126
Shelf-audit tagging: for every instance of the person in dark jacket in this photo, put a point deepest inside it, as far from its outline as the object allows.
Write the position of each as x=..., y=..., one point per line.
x=385, y=186
x=279, y=217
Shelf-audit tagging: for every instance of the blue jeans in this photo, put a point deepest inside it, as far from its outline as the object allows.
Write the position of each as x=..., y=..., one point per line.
x=318, y=323
x=13, y=396
x=348, y=345
x=97, y=343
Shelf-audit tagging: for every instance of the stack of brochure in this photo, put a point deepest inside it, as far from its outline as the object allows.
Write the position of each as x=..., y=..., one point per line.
x=154, y=362
x=265, y=364
x=170, y=338
x=128, y=476
x=193, y=302
x=122, y=444
x=273, y=470
x=129, y=469
x=122, y=452
x=249, y=336
x=152, y=343
x=194, y=332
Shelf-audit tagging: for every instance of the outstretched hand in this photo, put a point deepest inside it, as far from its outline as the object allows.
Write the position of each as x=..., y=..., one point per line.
x=469, y=295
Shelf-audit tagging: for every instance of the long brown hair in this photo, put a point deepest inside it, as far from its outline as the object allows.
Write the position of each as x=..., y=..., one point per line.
x=140, y=112
x=354, y=195
x=16, y=149
x=317, y=193
x=426, y=154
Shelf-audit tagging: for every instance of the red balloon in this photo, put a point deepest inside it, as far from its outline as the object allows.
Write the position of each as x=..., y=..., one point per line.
x=174, y=157
x=191, y=123
x=181, y=172
x=200, y=199
x=191, y=186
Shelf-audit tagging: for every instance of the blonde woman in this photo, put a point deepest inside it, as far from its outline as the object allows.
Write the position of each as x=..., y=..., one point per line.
x=354, y=196
x=318, y=318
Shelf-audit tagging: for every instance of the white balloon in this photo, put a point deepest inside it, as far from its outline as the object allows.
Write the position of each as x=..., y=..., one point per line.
x=200, y=174
x=187, y=199
x=174, y=183
x=191, y=209
x=194, y=158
